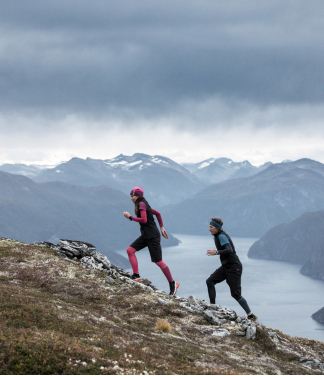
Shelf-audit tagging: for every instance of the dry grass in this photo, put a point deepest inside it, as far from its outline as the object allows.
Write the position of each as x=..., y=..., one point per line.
x=162, y=326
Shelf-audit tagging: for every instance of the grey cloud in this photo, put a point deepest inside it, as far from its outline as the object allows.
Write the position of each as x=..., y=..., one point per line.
x=150, y=56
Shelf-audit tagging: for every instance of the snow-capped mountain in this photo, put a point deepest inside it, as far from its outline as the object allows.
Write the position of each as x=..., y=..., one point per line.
x=215, y=170
x=163, y=180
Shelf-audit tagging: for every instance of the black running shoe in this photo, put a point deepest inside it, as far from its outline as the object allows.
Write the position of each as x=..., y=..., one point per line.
x=136, y=277
x=173, y=287
x=252, y=317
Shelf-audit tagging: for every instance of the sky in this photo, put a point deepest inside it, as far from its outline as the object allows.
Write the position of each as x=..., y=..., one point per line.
x=188, y=80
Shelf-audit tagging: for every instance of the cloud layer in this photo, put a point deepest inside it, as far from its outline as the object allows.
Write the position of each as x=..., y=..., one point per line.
x=106, y=68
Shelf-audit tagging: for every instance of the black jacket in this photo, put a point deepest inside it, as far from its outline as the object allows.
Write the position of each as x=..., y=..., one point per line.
x=149, y=229
x=227, y=252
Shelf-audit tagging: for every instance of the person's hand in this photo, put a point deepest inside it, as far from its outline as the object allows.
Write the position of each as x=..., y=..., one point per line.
x=164, y=233
x=126, y=215
x=212, y=252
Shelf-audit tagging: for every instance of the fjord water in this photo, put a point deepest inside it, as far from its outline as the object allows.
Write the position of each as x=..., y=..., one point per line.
x=277, y=293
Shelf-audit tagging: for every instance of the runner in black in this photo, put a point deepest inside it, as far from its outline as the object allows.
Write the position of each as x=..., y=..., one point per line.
x=150, y=237
x=231, y=269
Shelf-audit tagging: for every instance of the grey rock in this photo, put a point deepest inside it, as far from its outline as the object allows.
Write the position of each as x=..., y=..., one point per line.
x=83, y=248
x=143, y=287
x=163, y=301
x=128, y=280
x=312, y=363
x=102, y=259
x=60, y=254
x=70, y=250
x=186, y=306
x=240, y=333
x=251, y=332
x=109, y=280
x=220, y=332
x=114, y=274
x=90, y=262
x=212, y=318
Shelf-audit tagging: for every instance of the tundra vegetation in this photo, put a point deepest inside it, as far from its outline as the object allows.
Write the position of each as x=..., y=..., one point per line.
x=59, y=317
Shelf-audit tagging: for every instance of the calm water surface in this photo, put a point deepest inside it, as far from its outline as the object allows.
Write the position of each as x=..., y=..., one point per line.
x=276, y=292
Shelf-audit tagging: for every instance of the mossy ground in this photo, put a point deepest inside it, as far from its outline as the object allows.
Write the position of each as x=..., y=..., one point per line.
x=57, y=319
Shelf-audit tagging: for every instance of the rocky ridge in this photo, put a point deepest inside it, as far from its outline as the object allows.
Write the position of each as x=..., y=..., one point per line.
x=106, y=322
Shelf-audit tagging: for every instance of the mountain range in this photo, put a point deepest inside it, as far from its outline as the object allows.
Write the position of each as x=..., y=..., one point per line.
x=51, y=211
x=215, y=170
x=251, y=206
x=164, y=181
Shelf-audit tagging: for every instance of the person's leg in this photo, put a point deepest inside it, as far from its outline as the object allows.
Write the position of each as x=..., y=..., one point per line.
x=217, y=277
x=233, y=279
x=137, y=245
x=132, y=259
x=154, y=246
x=165, y=269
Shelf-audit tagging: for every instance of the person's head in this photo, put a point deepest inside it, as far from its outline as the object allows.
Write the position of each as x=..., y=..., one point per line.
x=135, y=193
x=215, y=225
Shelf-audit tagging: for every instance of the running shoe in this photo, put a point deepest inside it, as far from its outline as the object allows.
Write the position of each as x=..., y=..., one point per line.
x=173, y=287
x=136, y=277
x=252, y=317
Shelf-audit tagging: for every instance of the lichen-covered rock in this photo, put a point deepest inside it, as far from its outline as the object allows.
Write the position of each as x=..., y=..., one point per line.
x=221, y=332
x=109, y=280
x=101, y=259
x=251, y=331
x=90, y=262
x=163, y=301
x=211, y=316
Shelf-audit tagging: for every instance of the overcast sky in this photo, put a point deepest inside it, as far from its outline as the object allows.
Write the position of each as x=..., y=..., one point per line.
x=185, y=79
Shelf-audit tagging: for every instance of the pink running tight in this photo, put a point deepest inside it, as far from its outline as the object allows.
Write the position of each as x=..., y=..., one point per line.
x=165, y=269
x=133, y=260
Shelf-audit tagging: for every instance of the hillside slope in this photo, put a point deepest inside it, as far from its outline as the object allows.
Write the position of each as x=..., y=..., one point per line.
x=58, y=317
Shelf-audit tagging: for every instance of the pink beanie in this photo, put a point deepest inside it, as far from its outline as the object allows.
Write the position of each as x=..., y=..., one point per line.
x=137, y=191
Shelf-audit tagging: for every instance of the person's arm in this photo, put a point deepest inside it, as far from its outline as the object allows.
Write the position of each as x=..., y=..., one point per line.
x=143, y=218
x=159, y=218
x=227, y=249
x=223, y=239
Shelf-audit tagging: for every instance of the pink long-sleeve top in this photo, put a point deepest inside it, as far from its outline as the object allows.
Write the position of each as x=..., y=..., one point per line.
x=143, y=219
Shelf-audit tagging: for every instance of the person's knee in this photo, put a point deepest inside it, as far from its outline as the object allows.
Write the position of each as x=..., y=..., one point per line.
x=209, y=282
x=161, y=264
x=130, y=251
x=236, y=295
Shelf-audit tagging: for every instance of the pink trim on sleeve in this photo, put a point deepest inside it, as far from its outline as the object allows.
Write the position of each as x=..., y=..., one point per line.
x=142, y=206
x=143, y=218
x=158, y=217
